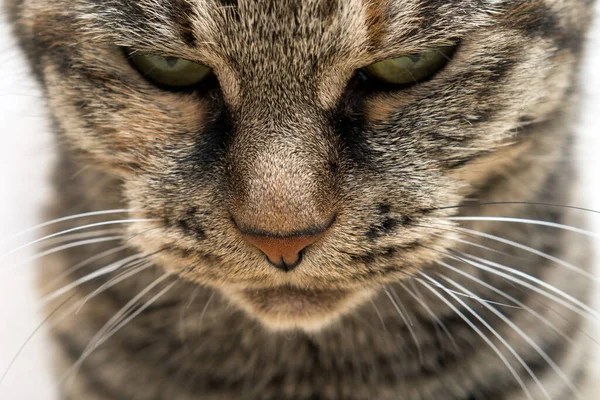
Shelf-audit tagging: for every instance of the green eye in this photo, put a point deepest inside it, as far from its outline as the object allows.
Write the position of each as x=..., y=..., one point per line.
x=411, y=69
x=169, y=71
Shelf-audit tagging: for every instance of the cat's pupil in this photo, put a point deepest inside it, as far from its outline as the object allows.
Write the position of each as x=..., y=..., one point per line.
x=171, y=61
x=414, y=57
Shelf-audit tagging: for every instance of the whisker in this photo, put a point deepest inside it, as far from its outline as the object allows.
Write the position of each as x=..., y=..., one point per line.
x=509, y=297
x=91, y=276
x=526, y=337
x=137, y=312
x=531, y=250
x=83, y=264
x=81, y=235
x=437, y=320
x=61, y=248
x=512, y=281
x=452, y=229
x=78, y=304
x=407, y=322
x=530, y=222
x=137, y=267
x=51, y=315
x=513, y=203
x=379, y=315
x=30, y=337
x=205, y=308
x=96, y=257
x=182, y=310
x=99, y=338
x=480, y=246
x=487, y=267
x=476, y=297
x=78, y=228
x=499, y=337
x=482, y=335
x=71, y=217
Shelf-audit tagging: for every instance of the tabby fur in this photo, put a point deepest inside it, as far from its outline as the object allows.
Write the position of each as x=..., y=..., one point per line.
x=286, y=139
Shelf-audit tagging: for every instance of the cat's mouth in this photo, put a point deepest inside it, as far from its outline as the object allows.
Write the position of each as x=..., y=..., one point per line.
x=288, y=307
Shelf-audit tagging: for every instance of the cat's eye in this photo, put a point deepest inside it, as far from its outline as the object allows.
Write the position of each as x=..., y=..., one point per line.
x=170, y=71
x=411, y=69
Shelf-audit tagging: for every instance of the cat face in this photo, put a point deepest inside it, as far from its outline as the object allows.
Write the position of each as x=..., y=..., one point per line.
x=288, y=177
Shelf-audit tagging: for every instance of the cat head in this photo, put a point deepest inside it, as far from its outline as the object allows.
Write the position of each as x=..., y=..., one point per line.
x=286, y=158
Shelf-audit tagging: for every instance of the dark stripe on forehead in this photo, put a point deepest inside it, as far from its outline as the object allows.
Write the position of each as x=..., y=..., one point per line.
x=534, y=18
x=376, y=12
x=181, y=14
x=227, y=3
x=438, y=14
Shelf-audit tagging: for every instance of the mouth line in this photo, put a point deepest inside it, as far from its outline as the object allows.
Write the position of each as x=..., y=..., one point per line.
x=288, y=289
x=293, y=300
x=297, y=284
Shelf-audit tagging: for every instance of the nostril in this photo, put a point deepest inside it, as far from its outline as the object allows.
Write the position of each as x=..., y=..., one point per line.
x=284, y=252
x=286, y=265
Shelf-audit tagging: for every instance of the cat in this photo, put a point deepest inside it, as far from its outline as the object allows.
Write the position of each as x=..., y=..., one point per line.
x=316, y=199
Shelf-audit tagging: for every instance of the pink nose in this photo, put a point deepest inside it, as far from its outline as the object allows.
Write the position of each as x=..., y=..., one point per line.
x=283, y=252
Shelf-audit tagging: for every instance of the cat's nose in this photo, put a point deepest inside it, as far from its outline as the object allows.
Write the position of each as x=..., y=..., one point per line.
x=284, y=252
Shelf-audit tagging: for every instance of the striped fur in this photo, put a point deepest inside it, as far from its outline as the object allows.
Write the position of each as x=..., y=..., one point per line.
x=287, y=137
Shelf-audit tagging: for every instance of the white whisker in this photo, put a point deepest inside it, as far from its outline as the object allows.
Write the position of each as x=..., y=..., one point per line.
x=133, y=270
x=396, y=303
x=379, y=315
x=526, y=337
x=71, y=217
x=487, y=266
x=31, y=335
x=136, y=313
x=96, y=274
x=61, y=248
x=183, y=309
x=479, y=246
x=482, y=335
x=431, y=314
x=476, y=298
x=115, y=320
x=530, y=222
x=85, y=263
x=509, y=297
x=81, y=235
x=533, y=251
x=497, y=335
x=78, y=228
x=517, y=203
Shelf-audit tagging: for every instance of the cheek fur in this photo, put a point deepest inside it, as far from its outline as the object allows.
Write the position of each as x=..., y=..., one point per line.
x=124, y=127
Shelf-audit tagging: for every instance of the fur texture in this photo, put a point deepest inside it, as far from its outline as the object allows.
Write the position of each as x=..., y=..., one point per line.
x=287, y=137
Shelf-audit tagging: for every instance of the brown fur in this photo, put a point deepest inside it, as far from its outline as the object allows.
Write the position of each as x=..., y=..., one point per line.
x=289, y=139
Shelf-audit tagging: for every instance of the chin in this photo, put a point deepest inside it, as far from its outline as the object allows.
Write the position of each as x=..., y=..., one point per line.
x=288, y=308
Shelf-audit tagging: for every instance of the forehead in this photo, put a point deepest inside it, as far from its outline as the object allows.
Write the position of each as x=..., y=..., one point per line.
x=287, y=46
x=235, y=27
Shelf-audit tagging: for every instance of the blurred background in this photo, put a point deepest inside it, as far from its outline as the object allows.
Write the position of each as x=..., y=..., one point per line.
x=25, y=160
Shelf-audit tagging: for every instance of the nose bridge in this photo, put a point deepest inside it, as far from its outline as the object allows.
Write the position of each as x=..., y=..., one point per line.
x=280, y=177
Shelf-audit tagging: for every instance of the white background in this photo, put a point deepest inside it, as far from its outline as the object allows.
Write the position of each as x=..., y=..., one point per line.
x=25, y=155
